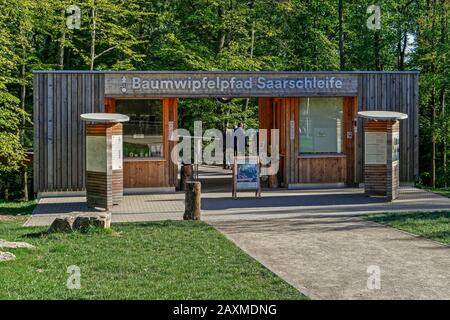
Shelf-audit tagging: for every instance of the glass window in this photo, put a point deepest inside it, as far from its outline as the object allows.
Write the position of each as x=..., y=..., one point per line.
x=320, y=125
x=143, y=134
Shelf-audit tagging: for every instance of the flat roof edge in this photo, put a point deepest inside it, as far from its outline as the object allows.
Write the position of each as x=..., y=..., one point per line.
x=222, y=72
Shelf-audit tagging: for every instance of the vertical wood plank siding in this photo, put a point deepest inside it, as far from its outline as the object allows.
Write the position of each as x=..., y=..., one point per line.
x=60, y=97
x=392, y=92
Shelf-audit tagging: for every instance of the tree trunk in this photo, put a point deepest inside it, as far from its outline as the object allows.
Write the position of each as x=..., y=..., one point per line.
x=444, y=160
x=433, y=138
x=341, y=35
x=25, y=184
x=444, y=39
x=315, y=43
x=221, y=35
x=433, y=102
x=186, y=175
x=192, y=201
x=7, y=191
x=377, y=50
x=252, y=49
x=22, y=136
x=402, y=44
x=93, y=36
x=62, y=41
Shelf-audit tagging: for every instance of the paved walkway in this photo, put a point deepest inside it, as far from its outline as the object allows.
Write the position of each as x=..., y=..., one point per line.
x=327, y=257
x=221, y=206
x=134, y=208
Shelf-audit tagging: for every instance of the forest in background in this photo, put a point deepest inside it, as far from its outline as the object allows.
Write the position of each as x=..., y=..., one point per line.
x=220, y=35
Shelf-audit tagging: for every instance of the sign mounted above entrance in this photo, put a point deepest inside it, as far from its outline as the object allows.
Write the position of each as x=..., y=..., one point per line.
x=229, y=84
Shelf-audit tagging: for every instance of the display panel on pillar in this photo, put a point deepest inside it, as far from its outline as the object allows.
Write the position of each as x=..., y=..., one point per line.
x=104, y=159
x=95, y=155
x=381, y=160
x=117, y=152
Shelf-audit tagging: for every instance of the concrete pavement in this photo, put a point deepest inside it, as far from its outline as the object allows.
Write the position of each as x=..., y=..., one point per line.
x=333, y=257
x=221, y=206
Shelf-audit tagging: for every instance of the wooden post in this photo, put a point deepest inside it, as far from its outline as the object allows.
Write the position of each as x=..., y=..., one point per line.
x=272, y=179
x=192, y=201
x=186, y=174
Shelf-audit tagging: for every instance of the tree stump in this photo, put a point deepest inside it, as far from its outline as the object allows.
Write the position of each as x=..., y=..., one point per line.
x=186, y=174
x=192, y=209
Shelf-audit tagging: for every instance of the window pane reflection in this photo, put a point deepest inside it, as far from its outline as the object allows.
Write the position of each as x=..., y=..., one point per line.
x=321, y=125
x=143, y=134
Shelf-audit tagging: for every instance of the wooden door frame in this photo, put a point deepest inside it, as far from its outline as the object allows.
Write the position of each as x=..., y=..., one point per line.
x=350, y=109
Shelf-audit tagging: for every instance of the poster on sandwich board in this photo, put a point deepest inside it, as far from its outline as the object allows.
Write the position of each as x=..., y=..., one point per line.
x=246, y=172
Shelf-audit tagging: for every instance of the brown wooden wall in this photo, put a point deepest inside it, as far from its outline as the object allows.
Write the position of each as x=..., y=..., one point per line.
x=323, y=169
x=145, y=173
x=60, y=98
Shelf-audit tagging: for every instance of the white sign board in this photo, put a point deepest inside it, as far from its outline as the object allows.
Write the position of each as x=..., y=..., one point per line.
x=117, y=152
x=375, y=148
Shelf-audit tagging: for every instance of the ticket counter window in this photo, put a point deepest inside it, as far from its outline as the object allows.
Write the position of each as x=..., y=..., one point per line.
x=143, y=134
x=320, y=125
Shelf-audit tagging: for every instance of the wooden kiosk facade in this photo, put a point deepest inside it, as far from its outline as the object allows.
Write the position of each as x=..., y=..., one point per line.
x=298, y=169
x=60, y=97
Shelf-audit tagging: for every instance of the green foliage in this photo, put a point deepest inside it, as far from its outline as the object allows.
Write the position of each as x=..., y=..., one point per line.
x=224, y=35
x=108, y=28
x=12, y=153
x=308, y=38
x=431, y=57
x=214, y=114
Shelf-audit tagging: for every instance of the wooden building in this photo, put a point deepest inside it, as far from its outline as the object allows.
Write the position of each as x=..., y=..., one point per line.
x=321, y=138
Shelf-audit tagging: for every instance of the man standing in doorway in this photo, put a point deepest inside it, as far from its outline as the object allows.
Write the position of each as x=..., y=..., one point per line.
x=238, y=133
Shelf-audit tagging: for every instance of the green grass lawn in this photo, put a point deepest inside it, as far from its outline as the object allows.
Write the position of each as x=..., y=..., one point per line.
x=163, y=260
x=433, y=225
x=442, y=192
x=12, y=208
